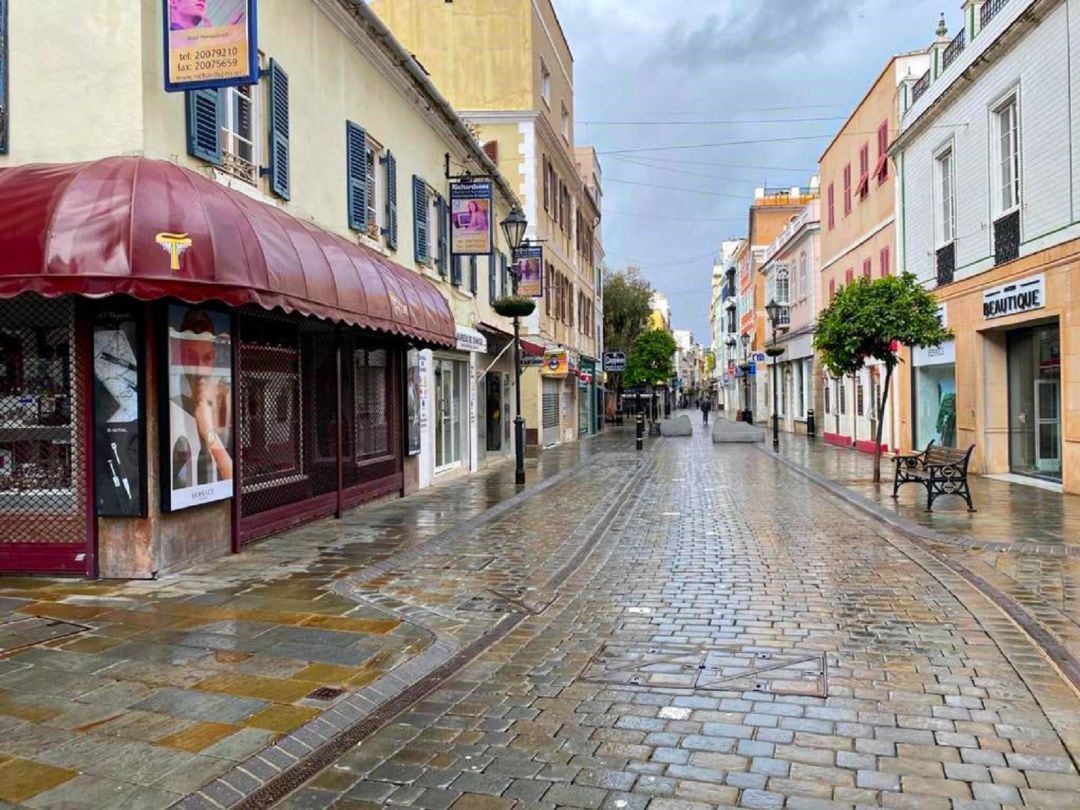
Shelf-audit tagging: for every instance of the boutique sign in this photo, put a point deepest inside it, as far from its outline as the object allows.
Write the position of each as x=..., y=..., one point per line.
x=1010, y=299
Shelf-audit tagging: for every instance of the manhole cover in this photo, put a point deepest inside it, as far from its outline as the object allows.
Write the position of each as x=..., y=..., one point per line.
x=19, y=633
x=732, y=668
x=326, y=693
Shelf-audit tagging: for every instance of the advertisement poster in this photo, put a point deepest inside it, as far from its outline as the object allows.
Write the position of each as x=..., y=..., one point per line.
x=412, y=403
x=119, y=470
x=556, y=364
x=198, y=464
x=470, y=218
x=529, y=268
x=210, y=43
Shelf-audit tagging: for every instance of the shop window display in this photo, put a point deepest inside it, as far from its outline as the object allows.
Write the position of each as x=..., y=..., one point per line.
x=935, y=405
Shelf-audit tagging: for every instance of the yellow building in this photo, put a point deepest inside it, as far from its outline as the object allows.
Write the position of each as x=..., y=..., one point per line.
x=507, y=68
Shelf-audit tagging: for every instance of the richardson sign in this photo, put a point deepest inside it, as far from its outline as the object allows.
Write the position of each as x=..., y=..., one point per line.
x=1020, y=296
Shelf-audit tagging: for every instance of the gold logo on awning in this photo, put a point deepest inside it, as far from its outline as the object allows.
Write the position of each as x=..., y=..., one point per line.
x=174, y=244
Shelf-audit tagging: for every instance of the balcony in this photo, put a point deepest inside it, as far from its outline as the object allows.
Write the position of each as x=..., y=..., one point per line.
x=1007, y=238
x=945, y=260
x=920, y=87
x=989, y=10
x=954, y=49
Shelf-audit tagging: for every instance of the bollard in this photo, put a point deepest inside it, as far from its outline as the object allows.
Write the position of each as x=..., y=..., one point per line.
x=641, y=431
x=811, y=425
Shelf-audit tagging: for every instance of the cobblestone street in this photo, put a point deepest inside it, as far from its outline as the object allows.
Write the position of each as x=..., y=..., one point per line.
x=736, y=637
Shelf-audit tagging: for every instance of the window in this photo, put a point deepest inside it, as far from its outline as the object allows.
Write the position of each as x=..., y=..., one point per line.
x=860, y=398
x=374, y=412
x=547, y=183
x=422, y=222
x=863, y=189
x=565, y=123
x=783, y=286
x=883, y=261
x=828, y=396
x=841, y=395
x=800, y=389
x=1007, y=176
x=804, y=276
x=849, y=275
x=832, y=206
x=946, y=207
x=374, y=154
x=239, y=128
x=847, y=189
x=545, y=83
x=866, y=268
x=832, y=289
x=881, y=170
x=440, y=215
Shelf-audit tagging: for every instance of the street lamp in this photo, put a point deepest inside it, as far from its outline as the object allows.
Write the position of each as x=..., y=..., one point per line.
x=513, y=228
x=730, y=343
x=772, y=310
x=748, y=414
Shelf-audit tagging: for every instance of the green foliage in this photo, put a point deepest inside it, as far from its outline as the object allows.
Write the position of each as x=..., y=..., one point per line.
x=650, y=359
x=866, y=318
x=626, y=308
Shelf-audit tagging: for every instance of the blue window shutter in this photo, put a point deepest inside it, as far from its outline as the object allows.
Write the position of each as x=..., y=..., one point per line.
x=473, y=281
x=504, y=271
x=279, y=130
x=455, y=270
x=440, y=253
x=390, y=231
x=420, y=220
x=204, y=109
x=493, y=279
x=444, y=234
x=356, y=175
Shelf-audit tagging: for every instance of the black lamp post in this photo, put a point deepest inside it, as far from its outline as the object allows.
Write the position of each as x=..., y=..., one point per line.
x=730, y=343
x=748, y=413
x=513, y=228
x=772, y=310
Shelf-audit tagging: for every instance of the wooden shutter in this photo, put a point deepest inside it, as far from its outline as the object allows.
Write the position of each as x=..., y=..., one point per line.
x=204, y=108
x=443, y=248
x=474, y=282
x=492, y=278
x=279, y=130
x=356, y=174
x=547, y=185
x=421, y=230
x=391, y=231
x=455, y=270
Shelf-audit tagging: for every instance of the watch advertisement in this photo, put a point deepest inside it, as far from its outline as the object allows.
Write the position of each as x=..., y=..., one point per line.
x=197, y=465
x=119, y=469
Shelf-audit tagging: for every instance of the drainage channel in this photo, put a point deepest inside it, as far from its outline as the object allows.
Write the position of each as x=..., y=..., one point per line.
x=294, y=777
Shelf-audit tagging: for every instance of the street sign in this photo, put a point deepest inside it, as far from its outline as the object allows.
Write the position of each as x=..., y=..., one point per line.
x=614, y=361
x=758, y=357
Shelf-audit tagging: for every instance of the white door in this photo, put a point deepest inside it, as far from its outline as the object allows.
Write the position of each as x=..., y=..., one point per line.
x=551, y=412
x=447, y=415
x=1048, y=426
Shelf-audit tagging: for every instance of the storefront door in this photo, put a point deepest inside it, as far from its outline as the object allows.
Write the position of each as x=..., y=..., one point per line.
x=449, y=412
x=1048, y=427
x=493, y=404
x=1035, y=401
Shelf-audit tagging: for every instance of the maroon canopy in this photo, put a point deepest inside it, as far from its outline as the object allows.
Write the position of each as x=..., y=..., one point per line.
x=151, y=229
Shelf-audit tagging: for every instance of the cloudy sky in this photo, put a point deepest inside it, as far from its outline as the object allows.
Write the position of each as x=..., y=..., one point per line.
x=781, y=73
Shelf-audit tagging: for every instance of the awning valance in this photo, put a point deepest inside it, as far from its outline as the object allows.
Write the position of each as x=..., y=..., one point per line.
x=151, y=229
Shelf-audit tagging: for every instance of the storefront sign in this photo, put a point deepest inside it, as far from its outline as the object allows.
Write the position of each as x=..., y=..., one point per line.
x=210, y=43
x=934, y=355
x=119, y=466
x=529, y=267
x=531, y=360
x=469, y=340
x=197, y=413
x=556, y=364
x=412, y=402
x=1020, y=296
x=585, y=378
x=470, y=217
x=614, y=361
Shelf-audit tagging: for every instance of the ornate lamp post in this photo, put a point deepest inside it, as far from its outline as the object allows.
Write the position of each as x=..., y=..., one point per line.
x=730, y=343
x=748, y=413
x=772, y=310
x=513, y=228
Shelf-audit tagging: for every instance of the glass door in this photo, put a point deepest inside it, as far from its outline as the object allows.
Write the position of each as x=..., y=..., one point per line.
x=1048, y=427
x=1035, y=401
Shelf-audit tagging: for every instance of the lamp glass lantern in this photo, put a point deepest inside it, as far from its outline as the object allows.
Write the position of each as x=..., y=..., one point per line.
x=513, y=228
x=772, y=309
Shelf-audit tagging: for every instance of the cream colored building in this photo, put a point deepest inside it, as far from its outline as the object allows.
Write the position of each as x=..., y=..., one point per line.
x=507, y=68
x=360, y=136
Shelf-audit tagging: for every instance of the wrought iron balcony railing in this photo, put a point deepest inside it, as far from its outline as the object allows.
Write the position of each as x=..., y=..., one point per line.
x=920, y=87
x=1007, y=238
x=989, y=10
x=955, y=48
x=946, y=263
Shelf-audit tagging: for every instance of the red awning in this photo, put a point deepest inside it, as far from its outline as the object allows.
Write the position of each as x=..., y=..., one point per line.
x=532, y=349
x=151, y=229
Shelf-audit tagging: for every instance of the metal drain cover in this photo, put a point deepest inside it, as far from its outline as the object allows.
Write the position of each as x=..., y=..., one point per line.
x=735, y=668
x=326, y=693
x=19, y=633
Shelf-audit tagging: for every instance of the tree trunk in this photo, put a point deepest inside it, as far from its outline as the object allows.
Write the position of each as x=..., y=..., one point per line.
x=881, y=425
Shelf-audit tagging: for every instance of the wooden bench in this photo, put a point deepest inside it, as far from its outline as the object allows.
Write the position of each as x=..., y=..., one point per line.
x=942, y=470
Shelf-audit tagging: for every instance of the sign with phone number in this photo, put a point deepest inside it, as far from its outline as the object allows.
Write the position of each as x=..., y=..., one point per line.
x=210, y=44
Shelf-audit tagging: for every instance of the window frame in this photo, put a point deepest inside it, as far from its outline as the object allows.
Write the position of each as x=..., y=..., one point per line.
x=946, y=152
x=847, y=190
x=374, y=152
x=228, y=133
x=831, y=196
x=545, y=83
x=1009, y=101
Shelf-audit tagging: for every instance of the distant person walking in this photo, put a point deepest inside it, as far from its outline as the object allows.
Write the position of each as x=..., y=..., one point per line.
x=706, y=406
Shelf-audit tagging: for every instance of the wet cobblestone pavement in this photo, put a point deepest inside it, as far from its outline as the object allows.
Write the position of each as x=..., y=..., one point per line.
x=699, y=627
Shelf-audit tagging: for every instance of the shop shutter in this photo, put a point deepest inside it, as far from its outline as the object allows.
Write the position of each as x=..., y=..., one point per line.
x=442, y=254
x=420, y=220
x=474, y=282
x=356, y=173
x=493, y=281
x=279, y=130
x=390, y=231
x=204, y=109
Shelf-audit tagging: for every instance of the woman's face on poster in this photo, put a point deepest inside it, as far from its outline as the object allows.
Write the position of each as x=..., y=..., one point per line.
x=186, y=13
x=200, y=355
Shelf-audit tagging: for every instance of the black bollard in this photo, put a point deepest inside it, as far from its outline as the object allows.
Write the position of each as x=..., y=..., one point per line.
x=641, y=431
x=811, y=425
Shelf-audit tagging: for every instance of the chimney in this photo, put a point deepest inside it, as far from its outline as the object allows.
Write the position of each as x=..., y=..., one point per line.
x=938, y=47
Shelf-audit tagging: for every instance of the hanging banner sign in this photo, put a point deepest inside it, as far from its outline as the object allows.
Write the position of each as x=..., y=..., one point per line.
x=210, y=44
x=197, y=463
x=470, y=217
x=119, y=467
x=556, y=364
x=529, y=267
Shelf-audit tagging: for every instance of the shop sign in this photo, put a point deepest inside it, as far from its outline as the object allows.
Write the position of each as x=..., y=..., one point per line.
x=531, y=360
x=470, y=217
x=556, y=364
x=469, y=340
x=585, y=378
x=412, y=403
x=119, y=437
x=197, y=408
x=1020, y=296
x=210, y=44
x=529, y=268
x=614, y=361
x=934, y=355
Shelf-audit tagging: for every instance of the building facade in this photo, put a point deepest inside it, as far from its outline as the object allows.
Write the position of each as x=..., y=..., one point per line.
x=724, y=320
x=989, y=219
x=520, y=101
x=858, y=238
x=230, y=311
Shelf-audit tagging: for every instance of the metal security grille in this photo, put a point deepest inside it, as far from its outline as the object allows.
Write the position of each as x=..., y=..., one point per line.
x=551, y=412
x=42, y=447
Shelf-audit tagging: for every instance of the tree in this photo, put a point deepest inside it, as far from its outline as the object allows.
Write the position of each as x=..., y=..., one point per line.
x=627, y=296
x=649, y=361
x=871, y=319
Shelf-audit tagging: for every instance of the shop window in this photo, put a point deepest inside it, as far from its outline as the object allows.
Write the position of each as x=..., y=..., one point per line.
x=935, y=405
x=374, y=427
